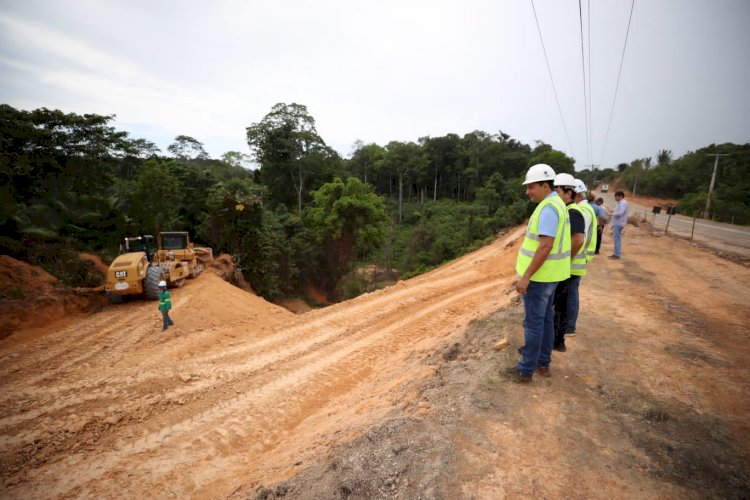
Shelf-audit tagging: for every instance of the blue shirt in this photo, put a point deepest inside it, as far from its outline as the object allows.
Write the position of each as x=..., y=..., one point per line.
x=600, y=212
x=548, y=219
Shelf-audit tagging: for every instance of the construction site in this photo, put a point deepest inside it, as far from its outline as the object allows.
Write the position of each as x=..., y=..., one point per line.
x=398, y=393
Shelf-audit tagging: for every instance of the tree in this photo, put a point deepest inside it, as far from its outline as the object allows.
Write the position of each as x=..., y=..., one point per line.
x=403, y=158
x=155, y=199
x=141, y=148
x=56, y=176
x=290, y=153
x=559, y=161
x=664, y=157
x=236, y=159
x=185, y=147
x=442, y=152
x=346, y=217
x=364, y=159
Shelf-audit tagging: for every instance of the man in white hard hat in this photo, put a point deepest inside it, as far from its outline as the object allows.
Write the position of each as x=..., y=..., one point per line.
x=165, y=304
x=543, y=261
x=566, y=293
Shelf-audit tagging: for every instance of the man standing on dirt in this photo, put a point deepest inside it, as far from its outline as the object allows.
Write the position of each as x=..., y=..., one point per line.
x=589, y=216
x=601, y=219
x=165, y=304
x=543, y=261
x=619, y=221
x=565, y=301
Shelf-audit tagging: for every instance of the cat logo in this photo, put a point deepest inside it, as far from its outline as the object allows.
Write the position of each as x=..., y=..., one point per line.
x=121, y=274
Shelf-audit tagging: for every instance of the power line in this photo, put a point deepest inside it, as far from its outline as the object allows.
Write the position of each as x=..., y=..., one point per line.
x=549, y=70
x=585, y=98
x=617, y=86
x=591, y=124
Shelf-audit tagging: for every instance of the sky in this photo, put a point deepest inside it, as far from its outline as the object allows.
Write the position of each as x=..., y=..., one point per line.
x=379, y=71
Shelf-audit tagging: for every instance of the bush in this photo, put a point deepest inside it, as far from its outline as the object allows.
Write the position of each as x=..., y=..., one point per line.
x=61, y=260
x=436, y=232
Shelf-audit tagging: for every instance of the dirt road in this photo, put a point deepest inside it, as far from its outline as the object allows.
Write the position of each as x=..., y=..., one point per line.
x=395, y=393
x=730, y=239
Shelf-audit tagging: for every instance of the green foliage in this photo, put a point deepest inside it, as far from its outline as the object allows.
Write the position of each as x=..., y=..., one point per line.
x=692, y=204
x=71, y=181
x=664, y=156
x=436, y=232
x=155, y=198
x=346, y=218
x=365, y=160
x=558, y=160
x=294, y=160
x=56, y=176
x=60, y=259
x=687, y=179
x=185, y=147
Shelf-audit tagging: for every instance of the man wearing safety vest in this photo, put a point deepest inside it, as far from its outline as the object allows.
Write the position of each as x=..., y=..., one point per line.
x=543, y=261
x=589, y=214
x=566, y=293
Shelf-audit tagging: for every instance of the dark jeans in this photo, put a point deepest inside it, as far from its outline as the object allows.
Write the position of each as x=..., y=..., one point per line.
x=538, y=329
x=566, y=308
x=166, y=320
x=599, y=231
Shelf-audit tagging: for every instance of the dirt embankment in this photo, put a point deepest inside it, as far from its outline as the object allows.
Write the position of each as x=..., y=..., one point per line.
x=373, y=398
x=30, y=297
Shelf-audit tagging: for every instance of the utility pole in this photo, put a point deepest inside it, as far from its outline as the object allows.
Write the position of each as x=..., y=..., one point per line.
x=706, y=211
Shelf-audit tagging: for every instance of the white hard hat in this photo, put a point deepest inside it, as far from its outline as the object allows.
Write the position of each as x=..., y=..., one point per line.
x=580, y=186
x=539, y=172
x=565, y=180
x=162, y=283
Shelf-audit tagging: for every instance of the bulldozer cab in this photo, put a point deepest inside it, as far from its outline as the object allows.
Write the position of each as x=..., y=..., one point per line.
x=144, y=243
x=174, y=246
x=173, y=241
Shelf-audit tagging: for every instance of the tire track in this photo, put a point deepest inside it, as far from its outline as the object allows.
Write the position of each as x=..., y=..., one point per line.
x=165, y=416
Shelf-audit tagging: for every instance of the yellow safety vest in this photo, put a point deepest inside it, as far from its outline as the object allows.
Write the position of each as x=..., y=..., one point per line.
x=578, y=261
x=591, y=235
x=557, y=265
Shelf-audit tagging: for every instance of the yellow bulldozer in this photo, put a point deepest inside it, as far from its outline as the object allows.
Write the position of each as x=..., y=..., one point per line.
x=145, y=261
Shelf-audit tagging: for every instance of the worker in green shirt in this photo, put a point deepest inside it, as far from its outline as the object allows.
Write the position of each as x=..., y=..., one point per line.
x=165, y=304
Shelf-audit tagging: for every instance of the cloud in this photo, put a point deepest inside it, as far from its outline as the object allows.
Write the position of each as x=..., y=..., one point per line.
x=389, y=70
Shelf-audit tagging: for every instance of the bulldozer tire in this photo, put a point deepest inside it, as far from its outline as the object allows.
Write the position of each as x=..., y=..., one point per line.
x=151, y=283
x=179, y=283
x=113, y=298
x=197, y=269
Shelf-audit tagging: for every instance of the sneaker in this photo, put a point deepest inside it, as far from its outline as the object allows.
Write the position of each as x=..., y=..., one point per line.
x=560, y=348
x=543, y=371
x=613, y=257
x=570, y=334
x=517, y=376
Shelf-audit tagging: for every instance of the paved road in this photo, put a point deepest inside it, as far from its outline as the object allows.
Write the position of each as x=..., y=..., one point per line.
x=720, y=236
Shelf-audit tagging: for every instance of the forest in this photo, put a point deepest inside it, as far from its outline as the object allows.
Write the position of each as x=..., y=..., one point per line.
x=303, y=216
